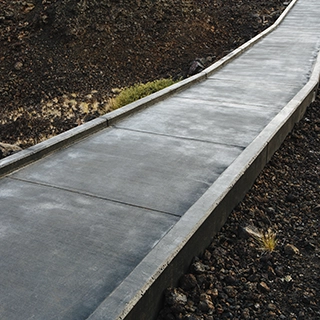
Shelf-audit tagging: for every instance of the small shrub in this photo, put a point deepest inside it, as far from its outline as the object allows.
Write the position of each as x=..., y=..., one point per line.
x=138, y=91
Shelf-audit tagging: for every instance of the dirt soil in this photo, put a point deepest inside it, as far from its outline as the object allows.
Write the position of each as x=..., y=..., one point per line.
x=61, y=60
x=235, y=278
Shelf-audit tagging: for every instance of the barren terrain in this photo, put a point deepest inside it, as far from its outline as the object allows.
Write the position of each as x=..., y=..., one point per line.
x=61, y=60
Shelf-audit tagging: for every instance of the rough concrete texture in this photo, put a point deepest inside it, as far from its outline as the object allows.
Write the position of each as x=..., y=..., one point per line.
x=59, y=247
x=92, y=229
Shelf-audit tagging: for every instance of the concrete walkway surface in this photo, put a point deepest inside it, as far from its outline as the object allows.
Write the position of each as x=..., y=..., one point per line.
x=97, y=229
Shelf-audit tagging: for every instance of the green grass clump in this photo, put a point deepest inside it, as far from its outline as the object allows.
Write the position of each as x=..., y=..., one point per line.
x=138, y=91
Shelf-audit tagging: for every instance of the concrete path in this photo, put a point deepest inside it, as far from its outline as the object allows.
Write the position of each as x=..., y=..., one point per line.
x=89, y=229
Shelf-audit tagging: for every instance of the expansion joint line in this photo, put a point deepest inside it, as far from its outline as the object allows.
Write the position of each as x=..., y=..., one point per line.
x=178, y=137
x=87, y=194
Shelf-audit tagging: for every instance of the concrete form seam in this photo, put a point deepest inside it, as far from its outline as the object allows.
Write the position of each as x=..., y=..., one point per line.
x=87, y=194
x=179, y=137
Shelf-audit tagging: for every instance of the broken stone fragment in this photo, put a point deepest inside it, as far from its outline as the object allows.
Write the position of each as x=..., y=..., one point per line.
x=263, y=287
x=196, y=66
x=175, y=296
x=18, y=65
x=188, y=282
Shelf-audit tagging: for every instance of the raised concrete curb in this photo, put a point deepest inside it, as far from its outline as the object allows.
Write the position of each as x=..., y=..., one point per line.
x=169, y=260
x=65, y=139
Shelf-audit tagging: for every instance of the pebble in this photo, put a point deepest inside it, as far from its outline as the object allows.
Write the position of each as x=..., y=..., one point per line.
x=246, y=313
x=230, y=291
x=205, y=305
x=18, y=65
x=263, y=287
x=230, y=279
x=214, y=293
x=188, y=281
x=290, y=250
x=176, y=297
x=199, y=267
x=196, y=66
x=272, y=307
x=291, y=198
x=219, y=309
x=316, y=208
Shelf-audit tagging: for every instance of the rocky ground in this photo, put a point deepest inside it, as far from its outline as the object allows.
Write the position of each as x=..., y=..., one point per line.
x=235, y=278
x=61, y=60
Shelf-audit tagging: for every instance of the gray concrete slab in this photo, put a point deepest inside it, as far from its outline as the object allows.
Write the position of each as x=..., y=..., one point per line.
x=263, y=65
x=97, y=230
x=62, y=252
x=161, y=173
x=235, y=91
x=211, y=121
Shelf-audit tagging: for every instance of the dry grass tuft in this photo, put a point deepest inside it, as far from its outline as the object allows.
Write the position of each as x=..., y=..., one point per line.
x=266, y=239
